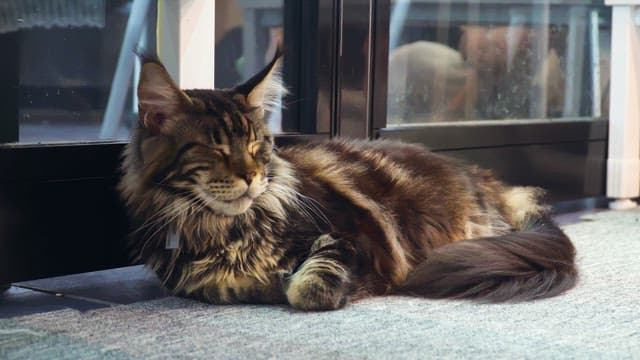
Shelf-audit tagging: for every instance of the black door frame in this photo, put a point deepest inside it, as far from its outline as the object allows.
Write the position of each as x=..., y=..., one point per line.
x=60, y=212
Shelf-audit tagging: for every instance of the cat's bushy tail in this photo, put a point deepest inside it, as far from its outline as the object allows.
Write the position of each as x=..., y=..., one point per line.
x=538, y=261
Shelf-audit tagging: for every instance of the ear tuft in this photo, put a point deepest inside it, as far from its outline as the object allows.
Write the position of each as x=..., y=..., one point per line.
x=265, y=89
x=159, y=97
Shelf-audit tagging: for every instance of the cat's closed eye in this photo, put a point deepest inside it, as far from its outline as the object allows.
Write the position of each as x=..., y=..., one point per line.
x=222, y=150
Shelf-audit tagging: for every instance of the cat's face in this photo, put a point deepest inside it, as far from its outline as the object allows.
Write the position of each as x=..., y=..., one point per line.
x=210, y=147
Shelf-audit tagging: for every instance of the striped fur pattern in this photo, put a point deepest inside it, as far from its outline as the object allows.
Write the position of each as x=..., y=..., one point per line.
x=317, y=225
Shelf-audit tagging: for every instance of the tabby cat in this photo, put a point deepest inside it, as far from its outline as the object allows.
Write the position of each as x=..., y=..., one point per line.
x=224, y=217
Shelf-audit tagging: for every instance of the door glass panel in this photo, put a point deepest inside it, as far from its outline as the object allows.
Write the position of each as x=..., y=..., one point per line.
x=60, y=62
x=496, y=60
x=248, y=33
x=64, y=55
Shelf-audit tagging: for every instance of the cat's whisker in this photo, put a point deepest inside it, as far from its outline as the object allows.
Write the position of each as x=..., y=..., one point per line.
x=316, y=206
x=293, y=102
x=173, y=213
x=158, y=216
x=311, y=208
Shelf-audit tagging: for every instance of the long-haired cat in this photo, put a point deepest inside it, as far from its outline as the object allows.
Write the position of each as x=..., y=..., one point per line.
x=223, y=217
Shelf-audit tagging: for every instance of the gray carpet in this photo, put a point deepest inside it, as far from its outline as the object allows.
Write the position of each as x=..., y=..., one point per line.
x=600, y=319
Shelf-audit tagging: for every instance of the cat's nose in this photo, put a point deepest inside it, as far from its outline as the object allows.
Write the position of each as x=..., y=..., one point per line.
x=248, y=176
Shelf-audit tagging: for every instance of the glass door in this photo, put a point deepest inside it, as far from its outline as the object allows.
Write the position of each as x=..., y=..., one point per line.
x=517, y=86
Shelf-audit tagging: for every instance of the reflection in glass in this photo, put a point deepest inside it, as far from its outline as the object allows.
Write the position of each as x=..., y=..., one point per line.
x=469, y=60
x=65, y=54
x=248, y=33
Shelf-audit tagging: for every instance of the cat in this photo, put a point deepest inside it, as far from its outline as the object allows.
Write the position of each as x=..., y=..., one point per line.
x=224, y=217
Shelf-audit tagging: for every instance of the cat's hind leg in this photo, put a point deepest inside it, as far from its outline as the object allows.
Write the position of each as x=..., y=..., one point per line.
x=324, y=281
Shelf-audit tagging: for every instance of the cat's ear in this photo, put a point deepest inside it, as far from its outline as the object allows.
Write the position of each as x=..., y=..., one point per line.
x=159, y=98
x=265, y=88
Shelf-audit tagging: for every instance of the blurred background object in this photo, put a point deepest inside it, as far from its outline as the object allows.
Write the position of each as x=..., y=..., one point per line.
x=27, y=14
x=429, y=81
x=453, y=60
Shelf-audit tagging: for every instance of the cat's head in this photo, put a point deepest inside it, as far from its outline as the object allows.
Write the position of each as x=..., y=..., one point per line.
x=211, y=147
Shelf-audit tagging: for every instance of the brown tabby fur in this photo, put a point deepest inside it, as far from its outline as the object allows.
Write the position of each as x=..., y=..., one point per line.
x=319, y=224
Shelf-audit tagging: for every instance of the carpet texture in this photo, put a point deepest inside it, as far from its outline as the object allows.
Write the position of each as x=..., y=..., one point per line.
x=599, y=319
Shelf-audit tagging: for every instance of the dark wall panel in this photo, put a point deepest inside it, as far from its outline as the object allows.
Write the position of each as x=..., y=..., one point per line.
x=566, y=157
x=60, y=227
x=494, y=133
x=568, y=171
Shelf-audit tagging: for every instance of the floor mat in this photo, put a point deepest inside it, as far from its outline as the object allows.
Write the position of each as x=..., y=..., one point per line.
x=598, y=319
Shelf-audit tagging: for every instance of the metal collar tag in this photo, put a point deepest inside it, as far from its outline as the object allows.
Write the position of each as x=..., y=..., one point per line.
x=172, y=241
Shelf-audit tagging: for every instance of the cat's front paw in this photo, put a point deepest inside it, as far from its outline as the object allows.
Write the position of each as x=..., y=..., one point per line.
x=326, y=240
x=312, y=292
x=323, y=281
